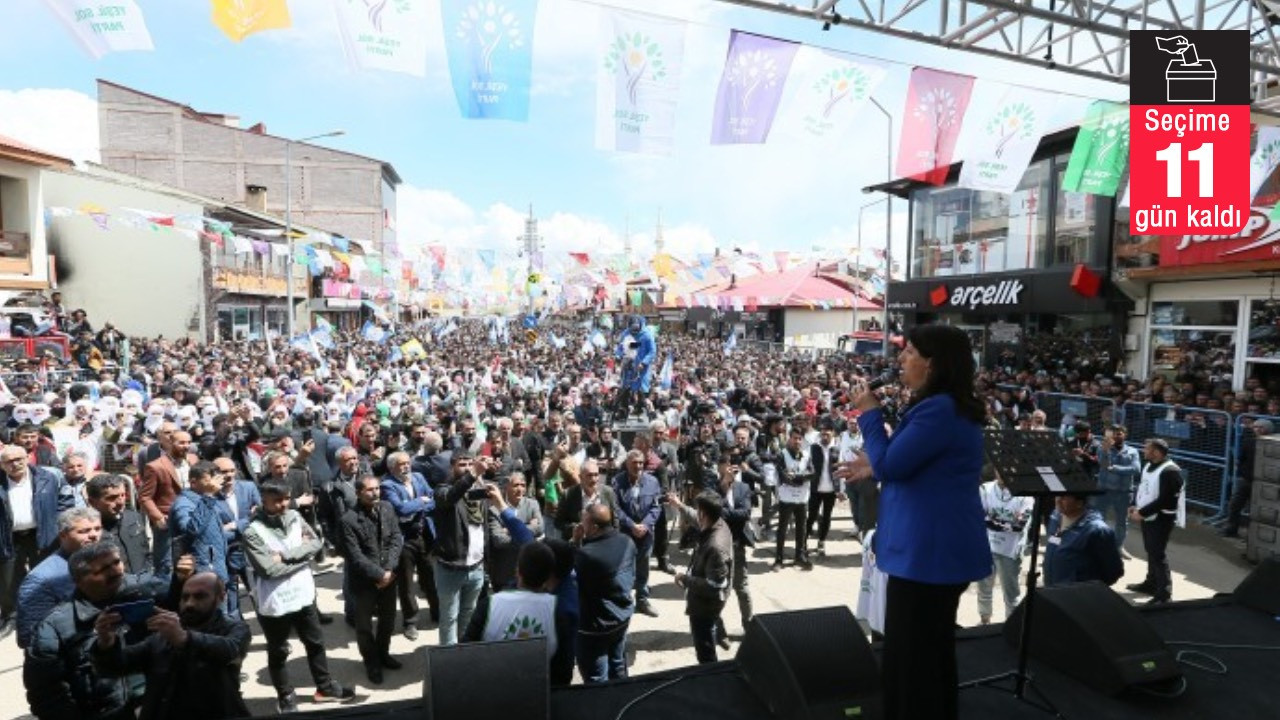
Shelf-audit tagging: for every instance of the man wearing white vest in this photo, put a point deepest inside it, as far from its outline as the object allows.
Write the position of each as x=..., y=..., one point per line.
x=280, y=544
x=795, y=473
x=527, y=611
x=1159, y=503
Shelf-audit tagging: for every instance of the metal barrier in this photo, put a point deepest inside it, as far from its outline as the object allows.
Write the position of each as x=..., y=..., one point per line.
x=1201, y=442
x=1060, y=410
x=52, y=377
x=1242, y=435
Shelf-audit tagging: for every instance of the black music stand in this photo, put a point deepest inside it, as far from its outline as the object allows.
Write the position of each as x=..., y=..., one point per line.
x=1038, y=465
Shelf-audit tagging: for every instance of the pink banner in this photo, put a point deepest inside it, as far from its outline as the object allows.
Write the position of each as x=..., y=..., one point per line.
x=931, y=121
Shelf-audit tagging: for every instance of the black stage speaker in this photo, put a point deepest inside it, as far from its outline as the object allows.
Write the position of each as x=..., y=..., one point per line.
x=505, y=679
x=1087, y=631
x=811, y=665
x=1260, y=590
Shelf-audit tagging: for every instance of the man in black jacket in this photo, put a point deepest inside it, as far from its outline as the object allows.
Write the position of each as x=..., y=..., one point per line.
x=605, y=566
x=735, y=498
x=371, y=543
x=1158, y=504
x=459, y=550
x=121, y=525
x=710, y=567
x=191, y=659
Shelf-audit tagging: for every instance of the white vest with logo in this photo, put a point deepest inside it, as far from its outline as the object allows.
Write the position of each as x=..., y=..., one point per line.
x=280, y=596
x=1149, y=490
x=795, y=494
x=517, y=614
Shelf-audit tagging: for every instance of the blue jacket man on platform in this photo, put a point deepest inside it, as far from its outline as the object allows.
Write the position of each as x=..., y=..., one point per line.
x=638, y=345
x=640, y=505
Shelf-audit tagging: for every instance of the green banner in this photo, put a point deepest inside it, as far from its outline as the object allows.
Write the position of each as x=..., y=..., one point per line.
x=1101, y=150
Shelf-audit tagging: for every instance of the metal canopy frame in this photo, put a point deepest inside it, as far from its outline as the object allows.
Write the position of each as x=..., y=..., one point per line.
x=1089, y=38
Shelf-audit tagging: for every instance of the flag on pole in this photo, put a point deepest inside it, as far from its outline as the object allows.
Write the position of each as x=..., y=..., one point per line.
x=490, y=48
x=1101, y=150
x=353, y=372
x=271, y=352
x=1007, y=139
x=825, y=93
x=755, y=72
x=638, y=82
x=665, y=376
x=934, y=112
x=238, y=19
x=384, y=34
x=101, y=28
x=731, y=343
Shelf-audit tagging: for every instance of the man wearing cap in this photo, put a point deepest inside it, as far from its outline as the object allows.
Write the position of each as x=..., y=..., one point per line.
x=1159, y=504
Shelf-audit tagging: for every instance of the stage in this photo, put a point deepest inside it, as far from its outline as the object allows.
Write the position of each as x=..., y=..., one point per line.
x=1247, y=690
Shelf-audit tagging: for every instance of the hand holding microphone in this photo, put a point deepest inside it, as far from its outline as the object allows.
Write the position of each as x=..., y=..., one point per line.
x=864, y=393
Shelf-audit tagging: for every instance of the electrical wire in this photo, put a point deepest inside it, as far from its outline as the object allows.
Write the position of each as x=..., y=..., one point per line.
x=645, y=695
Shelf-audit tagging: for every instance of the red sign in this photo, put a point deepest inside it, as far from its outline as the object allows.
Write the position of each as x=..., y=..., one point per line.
x=1189, y=169
x=1259, y=240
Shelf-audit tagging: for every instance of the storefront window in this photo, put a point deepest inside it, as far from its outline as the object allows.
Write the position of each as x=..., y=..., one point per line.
x=1194, y=338
x=1074, y=224
x=957, y=231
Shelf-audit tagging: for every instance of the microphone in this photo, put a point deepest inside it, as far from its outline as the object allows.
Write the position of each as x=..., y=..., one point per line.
x=887, y=377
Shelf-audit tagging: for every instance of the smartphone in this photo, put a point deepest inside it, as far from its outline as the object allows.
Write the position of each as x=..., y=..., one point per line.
x=134, y=613
x=478, y=493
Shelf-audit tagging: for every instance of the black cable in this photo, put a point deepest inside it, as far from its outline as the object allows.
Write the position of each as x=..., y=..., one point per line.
x=1220, y=646
x=1148, y=690
x=1218, y=667
x=646, y=694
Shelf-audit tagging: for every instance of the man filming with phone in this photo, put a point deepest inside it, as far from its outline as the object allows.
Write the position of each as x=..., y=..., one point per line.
x=191, y=659
x=460, y=521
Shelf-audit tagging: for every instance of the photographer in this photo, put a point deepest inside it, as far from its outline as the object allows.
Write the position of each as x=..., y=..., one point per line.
x=699, y=456
x=460, y=522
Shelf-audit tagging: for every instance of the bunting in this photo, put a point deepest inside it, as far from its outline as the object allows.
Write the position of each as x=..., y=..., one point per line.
x=1100, y=151
x=490, y=48
x=387, y=35
x=638, y=82
x=1009, y=134
x=101, y=28
x=238, y=19
x=934, y=112
x=755, y=72
x=825, y=93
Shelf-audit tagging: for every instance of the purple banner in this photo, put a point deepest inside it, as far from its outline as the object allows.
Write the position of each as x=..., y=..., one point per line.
x=755, y=72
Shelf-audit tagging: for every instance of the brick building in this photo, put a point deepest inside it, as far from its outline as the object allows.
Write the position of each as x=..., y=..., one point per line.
x=210, y=155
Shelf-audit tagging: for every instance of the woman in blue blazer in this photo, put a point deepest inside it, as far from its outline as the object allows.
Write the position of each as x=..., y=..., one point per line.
x=930, y=539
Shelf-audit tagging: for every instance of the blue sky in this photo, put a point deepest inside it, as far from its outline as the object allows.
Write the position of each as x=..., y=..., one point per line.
x=467, y=183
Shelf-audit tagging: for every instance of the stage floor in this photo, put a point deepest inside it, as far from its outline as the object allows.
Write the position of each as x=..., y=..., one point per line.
x=1249, y=689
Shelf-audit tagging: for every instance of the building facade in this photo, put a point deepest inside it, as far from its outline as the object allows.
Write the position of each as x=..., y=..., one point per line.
x=24, y=256
x=1015, y=270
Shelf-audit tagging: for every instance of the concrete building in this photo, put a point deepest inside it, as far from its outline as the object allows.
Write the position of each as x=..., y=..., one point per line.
x=210, y=155
x=24, y=257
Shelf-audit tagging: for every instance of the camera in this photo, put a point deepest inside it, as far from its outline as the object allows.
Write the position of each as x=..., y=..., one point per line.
x=479, y=492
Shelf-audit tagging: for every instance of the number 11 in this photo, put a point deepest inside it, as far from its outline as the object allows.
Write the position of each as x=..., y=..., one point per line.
x=1172, y=157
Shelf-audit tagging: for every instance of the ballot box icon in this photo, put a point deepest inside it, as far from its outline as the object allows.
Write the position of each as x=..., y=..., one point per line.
x=1189, y=78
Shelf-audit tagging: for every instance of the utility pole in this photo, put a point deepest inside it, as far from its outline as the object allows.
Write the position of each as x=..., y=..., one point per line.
x=531, y=248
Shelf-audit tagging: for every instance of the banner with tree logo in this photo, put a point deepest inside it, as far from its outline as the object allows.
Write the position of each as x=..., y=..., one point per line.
x=388, y=35
x=638, y=82
x=1101, y=150
x=931, y=120
x=1006, y=139
x=490, y=49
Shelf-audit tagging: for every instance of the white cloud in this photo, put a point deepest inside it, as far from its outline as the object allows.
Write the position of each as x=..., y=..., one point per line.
x=63, y=122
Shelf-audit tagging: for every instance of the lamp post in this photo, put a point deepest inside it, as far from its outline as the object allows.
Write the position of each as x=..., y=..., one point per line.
x=288, y=220
x=888, y=225
x=859, y=256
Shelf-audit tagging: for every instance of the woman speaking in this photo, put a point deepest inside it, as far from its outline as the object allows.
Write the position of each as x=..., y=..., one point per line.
x=931, y=539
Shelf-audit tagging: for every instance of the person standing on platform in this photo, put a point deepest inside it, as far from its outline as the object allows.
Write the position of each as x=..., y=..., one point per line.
x=931, y=539
x=795, y=476
x=1159, y=504
x=1007, y=518
x=1118, y=469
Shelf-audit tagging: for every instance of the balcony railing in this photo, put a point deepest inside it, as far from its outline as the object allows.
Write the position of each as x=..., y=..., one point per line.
x=15, y=253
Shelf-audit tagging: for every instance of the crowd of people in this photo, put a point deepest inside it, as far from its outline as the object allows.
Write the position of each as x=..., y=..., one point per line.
x=484, y=477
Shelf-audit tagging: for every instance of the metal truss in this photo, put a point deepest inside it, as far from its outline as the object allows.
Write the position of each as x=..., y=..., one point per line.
x=1084, y=37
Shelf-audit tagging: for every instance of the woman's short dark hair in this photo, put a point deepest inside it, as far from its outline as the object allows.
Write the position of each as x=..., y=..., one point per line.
x=951, y=367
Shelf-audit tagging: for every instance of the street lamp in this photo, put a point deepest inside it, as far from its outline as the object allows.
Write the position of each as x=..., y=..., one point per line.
x=288, y=220
x=888, y=225
x=858, y=255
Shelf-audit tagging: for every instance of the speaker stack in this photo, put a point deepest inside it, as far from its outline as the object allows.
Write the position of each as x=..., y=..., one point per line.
x=1087, y=631
x=504, y=679
x=811, y=665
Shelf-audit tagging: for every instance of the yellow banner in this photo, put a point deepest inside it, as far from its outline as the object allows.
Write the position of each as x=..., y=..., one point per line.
x=241, y=18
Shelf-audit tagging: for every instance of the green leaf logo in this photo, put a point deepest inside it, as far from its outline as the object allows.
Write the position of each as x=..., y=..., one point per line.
x=638, y=57
x=847, y=82
x=1015, y=121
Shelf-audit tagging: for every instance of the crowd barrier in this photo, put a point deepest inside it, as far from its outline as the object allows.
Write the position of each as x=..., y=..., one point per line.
x=1200, y=440
x=1064, y=410
x=51, y=377
x=1240, y=437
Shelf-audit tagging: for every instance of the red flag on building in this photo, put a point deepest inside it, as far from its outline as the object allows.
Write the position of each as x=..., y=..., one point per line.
x=582, y=258
x=931, y=120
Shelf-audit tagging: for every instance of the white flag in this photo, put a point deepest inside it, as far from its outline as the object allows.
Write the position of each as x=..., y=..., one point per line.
x=1266, y=156
x=386, y=35
x=825, y=92
x=103, y=27
x=1005, y=140
x=638, y=82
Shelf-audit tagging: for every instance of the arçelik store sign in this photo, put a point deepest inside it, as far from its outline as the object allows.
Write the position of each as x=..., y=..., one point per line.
x=1259, y=240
